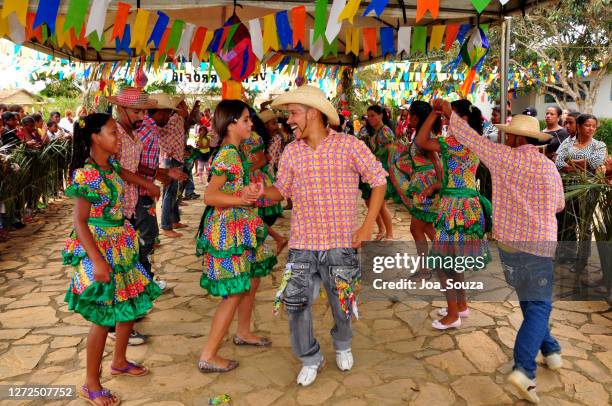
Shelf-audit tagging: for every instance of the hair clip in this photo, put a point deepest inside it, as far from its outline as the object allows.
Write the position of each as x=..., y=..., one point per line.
x=81, y=123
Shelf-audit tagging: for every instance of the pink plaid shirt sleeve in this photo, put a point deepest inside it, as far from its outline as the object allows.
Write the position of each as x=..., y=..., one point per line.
x=172, y=142
x=488, y=151
x=365, y=163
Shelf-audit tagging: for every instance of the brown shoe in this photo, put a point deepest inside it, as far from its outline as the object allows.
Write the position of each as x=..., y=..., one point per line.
x=179, y=225
x=207, y=367
x=171, y=233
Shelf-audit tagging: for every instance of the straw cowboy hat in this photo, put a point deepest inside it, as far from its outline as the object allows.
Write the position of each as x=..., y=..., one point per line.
x=526, y=126
x=132, y=98
x=267, y=115
x=309, y=96
x=165, y=101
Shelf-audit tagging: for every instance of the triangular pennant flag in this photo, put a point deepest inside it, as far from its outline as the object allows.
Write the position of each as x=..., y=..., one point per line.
x=437, y=34
x=123, y=12
x=369, y=42
x=349, y=11
x=16, y=29
x=480, y=5
x=316, y=47
x=97, y=16
x=46, y=14
x=185, y=43
x=207, y=40
x=352, y=41
x=504, y=2
x=298, y=22
x=95, y=42
x=124, y=44
x=377, y=6
x=159, y=29
x=75, y=17
x=139, y=38
x=330, y=48
x=433, y=6
x=451, y=34
x=333, y=25
x=284, y=30
x=419, y=39
x=215, y=44
x=387, y=40
x=270, y=36
x=403, y=39
x=320, y=18
x=196, y=45
x=32, y=33
x=19, y=7
x=174, y=38
x=256, y=38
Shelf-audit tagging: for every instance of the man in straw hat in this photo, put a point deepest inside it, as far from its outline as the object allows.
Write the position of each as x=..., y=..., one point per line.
x=320, y=172
x=131, y=105
x=527, y=193
x=149, y=133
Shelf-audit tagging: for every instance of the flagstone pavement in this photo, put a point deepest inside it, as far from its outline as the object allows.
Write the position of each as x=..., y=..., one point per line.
x=399, y=358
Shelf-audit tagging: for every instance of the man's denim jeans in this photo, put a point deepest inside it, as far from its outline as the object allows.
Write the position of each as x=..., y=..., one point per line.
x=145, y=222
x=531, y=276
x=308, y=270
x=170, y=207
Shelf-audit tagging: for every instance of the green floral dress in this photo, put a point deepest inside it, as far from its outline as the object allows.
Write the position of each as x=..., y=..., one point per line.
x=231, y=240
x=130, y=292
x=379, y=144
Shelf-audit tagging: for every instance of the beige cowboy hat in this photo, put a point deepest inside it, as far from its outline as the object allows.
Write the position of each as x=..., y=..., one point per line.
x=132, y=98
x=165, y=101
x=309, y=96
x=526, y=126
x=267, y=115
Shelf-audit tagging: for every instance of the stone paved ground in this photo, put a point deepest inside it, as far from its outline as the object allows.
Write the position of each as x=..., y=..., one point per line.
x=399, y=358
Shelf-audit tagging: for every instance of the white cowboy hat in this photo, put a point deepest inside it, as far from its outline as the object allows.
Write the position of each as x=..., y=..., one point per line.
x=132, y=98
x=526, y=126
x=309, y=96
x=165, y=101
x=405, y=107
x=267, y=115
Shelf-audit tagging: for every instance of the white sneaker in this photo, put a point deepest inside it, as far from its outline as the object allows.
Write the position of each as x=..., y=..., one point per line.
x=162, y=284
x=344, y=360
x=554, y=361
x=308, y=373
x=525, y=386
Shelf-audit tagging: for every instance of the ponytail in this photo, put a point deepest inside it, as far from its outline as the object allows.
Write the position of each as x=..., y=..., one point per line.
x=473, y=114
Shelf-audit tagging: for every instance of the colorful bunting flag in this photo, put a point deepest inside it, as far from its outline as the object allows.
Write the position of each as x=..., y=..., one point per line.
x=433, y=6
x=46, y=14
x=185, y=43
x=333, y=25
x=480, y=5
x=320, y=18
x=352, y=41
x=285, y=35
x=451, y=34
x=256, y=38
x=19, y=7
x=123, y=45
x=75, y=17
x=298, y=21
x=97, y=16
x=377, y=6
x=349, y=11
x=270, y=35
x=139, y=39
x=174, y=38
x=123, y=12
x=419, y=39
x=316, y=47
x=387, y=41
x=403, y=39
x=437, y=34
x=369, y=42
x=159, y=29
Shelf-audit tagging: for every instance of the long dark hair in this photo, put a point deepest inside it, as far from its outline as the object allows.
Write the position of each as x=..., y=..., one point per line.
x=464, y=108
x=422, y=110
x=81, y=144
x=385, y=118
x=226, y=113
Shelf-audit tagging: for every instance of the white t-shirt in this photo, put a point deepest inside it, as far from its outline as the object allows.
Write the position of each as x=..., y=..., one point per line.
x=66, y=125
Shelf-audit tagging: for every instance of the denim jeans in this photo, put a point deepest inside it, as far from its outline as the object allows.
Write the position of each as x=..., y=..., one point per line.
x=170, y=207
x=189, y=185
x=308, y=270
x=531, y=276
x=145, y=222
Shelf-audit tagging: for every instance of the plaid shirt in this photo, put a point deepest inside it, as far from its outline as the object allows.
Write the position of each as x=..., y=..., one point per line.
x=172, y=142
x=129, y=157
x=275, y=150
x=527, y=191
x=323, y=185
x=149, y=134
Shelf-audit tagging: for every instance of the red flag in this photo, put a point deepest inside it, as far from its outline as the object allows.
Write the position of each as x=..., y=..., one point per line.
x=451, y=35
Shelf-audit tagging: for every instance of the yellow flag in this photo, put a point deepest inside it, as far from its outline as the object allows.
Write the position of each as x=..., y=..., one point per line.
x=139, y=32
x=270, y=35
x=222, y=70
x=349, y=11
x=437, y=33
x=19, y=7
x=352, y=41
x=4, y=29
x=207, y=39
x=62, y=36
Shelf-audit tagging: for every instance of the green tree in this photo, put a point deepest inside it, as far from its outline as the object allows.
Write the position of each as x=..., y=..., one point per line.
x=58, y=87
x=563, y=40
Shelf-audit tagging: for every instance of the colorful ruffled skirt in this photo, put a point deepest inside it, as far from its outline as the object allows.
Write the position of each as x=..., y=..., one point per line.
x=129, y=293
x=231, y=244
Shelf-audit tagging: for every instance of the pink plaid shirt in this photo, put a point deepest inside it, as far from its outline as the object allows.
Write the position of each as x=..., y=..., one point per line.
x=527, y=191
x=129, y=158
x=172, y=141
x=323, y=185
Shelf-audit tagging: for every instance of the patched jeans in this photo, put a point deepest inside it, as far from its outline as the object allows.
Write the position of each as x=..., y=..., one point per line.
x=531, y=276
x=308, y=270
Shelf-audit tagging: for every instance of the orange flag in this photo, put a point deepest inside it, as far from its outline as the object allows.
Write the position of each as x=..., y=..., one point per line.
x=30, y=33
x=451, y=35
x=423, y=5
x=369, y=42
x=298, y=22
x=123, y=11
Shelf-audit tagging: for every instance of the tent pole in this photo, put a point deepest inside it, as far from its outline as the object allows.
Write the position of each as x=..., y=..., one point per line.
x=504, y=62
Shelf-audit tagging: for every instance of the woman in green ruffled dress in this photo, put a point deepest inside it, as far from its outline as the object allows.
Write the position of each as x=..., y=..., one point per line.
x=231, y=238
x=464, y=216
x=109, y=287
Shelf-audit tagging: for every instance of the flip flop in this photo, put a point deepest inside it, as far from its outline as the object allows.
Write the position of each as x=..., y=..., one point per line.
x=91, y=396
x=129, y=370
x=262, y=342
x=206, y=367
